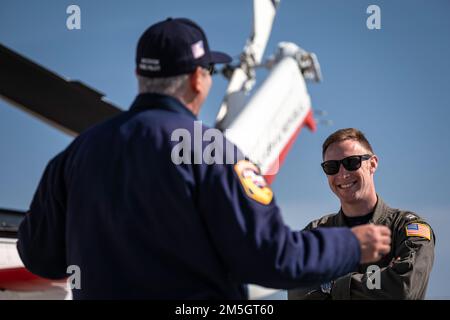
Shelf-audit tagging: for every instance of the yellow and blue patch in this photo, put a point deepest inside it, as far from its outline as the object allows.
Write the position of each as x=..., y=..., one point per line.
x=418, y=230
x=253, y=182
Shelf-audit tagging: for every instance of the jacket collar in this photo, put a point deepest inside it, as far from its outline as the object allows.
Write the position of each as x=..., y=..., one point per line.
x=379, y=213
x=146, y=101
x=381, y=209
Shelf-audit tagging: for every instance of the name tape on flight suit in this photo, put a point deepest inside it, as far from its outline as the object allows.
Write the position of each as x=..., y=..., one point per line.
x=418, y=230
x=254, y=184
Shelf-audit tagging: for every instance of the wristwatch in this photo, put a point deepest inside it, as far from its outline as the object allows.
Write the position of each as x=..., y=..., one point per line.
x=326, y=287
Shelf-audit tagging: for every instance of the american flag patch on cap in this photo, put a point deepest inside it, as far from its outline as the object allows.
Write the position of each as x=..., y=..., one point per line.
x=418, y=230
x=198, y=50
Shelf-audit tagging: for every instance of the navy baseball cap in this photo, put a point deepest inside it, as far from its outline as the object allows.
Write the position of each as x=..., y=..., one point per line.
x=174, y=47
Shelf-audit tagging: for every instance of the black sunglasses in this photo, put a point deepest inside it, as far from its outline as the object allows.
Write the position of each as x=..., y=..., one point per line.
x=211, y=69
x=352, y=163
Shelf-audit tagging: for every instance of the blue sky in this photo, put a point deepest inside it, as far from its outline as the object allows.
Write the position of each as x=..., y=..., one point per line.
x=393, y=84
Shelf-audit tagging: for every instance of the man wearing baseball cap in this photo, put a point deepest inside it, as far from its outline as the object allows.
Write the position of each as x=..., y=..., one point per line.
x=139, y=223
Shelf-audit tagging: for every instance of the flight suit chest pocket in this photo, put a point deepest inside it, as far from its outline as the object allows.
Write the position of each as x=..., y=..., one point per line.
x=384, y=262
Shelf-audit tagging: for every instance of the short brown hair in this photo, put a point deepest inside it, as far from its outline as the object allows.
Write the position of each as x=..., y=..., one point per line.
x=346, y=134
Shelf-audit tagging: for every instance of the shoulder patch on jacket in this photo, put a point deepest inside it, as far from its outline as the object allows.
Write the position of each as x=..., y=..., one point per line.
x=411, y=216
x=418, y=230
x=328, y=220
x=253, y=182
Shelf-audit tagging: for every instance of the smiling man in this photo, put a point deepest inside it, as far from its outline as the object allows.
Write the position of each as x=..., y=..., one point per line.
x=350, y=165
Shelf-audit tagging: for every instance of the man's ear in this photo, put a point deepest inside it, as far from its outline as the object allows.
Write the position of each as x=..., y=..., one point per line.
x=373, y=162
x=195, y=80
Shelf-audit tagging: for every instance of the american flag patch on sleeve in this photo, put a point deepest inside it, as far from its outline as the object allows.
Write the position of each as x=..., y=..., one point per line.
x=418, y=230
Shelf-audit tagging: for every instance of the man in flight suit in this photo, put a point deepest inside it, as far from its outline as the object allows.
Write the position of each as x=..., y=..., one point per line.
x=350, y=164
x=139, y=223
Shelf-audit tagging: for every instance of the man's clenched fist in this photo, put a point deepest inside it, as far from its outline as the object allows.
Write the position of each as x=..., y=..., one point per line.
x=374, y=241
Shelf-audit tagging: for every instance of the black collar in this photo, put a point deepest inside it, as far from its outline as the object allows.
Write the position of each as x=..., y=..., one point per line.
x=145, y=101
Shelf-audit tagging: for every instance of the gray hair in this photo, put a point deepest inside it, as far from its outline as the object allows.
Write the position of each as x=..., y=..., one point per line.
x=173, y=86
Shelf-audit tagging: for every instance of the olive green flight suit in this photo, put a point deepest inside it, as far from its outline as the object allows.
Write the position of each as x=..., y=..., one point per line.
x=403, y=273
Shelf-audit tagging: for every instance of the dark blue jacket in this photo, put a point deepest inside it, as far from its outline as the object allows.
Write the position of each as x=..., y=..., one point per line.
x=139, y=226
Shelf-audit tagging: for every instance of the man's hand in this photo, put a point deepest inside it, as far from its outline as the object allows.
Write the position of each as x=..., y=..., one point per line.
x=374, y=241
